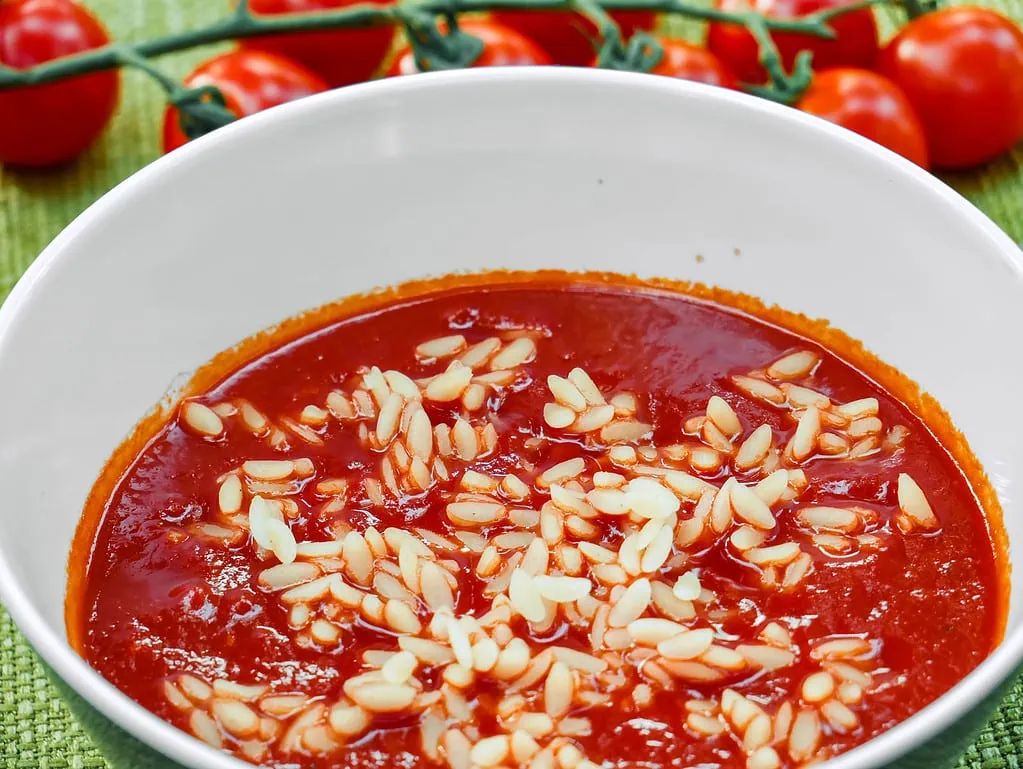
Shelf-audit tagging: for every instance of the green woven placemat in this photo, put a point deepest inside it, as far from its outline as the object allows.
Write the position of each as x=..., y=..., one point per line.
x=36, y=730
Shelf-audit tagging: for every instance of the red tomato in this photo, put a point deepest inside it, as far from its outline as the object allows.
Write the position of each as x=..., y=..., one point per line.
x=250, y=81
x=855, y=46
x=501, y=47
x=567, y=37
x=51, y=124
x=872, y=106
x=962, y=68
x=341, y=57
x=690, y=62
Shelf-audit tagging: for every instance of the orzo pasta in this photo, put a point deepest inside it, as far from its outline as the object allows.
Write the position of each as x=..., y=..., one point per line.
x=541, y=526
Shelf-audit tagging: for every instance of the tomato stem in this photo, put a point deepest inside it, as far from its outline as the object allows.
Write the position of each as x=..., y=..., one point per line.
x=436, y=49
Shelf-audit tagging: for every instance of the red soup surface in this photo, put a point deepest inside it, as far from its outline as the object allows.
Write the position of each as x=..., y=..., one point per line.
x=541, y=525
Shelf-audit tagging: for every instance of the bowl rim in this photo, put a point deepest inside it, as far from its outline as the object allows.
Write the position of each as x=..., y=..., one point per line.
x=158, y=734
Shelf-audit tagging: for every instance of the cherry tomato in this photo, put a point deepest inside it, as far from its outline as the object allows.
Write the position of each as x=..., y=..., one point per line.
x=501, y=47
x=568, y=37
x=690, y=62
x=855, y=45
x=250, y=81
x=962, y=69
x=872, y=106
x=51, y=124
x=341, y=57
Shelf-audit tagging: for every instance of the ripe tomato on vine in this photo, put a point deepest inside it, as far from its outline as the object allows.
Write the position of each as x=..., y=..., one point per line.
x=51, y=124
x=962, y=69
x=855, y=43
x=502, y=47
x=250, y=81
x=340, y=57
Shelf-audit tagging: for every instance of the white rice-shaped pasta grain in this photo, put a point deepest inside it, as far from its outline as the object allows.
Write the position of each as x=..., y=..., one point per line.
x=479, y=353
x=577, y=660
x=559, y=690
x=828, y=518
x=913, y=503
x=434, y=587
x=759, y=389
x=457, y=749
x=764, y=758
x=667, y=603
x=585, y=385
x=720, y=412
x=593, y=418
x=797, y=570
x=577, y=727
x=864, y=407
x=426, y=651
x=850, y=693
x=205, y=728
x=839, y=716
x=841, y=648
x=288, y=575
x=201, y=419
x=817, y=687
x=562, y=589
x=358, y=557
x=724, y=658
x=750, y=508
x=707, y=726
x=657, y=552
x=283, y=705
x=631, y=605
x=775, y=555
x=687, y=587
x=848, y=673
x=525, y=596
x=175, y=697
x=450, y=384
x=561, y=472
x=485, y=653
x=475, y=513
x=804, y=441
x=490, y=751
x=758, y=733
x=651, y=631
x=518, y=353
x=686, y=645
x=766, y=657
x=805, y=735
x=441, y=347
x=229, y=496
x=512, y=660
x=795, y=365
x=597, y=554
x=860, y=428
x=624, y=431
x=753, y=451
x=235, y=717
x=381, y=697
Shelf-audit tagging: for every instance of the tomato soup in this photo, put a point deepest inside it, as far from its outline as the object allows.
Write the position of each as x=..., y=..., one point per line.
x=544, y=525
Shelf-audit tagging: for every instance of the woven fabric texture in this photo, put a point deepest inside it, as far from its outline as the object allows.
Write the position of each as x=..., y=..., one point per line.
x=36, y=730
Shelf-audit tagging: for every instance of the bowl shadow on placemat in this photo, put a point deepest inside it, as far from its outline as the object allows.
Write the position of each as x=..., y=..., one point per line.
x=122, y=751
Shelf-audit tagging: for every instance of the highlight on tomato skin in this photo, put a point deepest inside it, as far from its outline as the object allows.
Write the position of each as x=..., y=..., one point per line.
x=962, y=69
x=502, y=47
x=872, y=106
x=686, y=61
x=569, y=38
x=340, y=57
x=250, y=81
x=855, y=44
x=52, y=124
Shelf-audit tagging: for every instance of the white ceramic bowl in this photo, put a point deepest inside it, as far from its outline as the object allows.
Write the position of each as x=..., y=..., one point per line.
x=523, y=168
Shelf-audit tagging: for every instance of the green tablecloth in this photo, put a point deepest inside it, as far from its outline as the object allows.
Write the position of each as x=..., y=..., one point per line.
x=36, y=731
